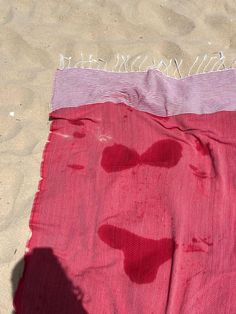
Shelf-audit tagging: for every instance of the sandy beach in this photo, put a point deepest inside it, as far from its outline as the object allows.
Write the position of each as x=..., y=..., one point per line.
x=33, y=34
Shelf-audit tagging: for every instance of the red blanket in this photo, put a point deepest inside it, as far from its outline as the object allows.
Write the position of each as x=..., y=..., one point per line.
x=135, y=214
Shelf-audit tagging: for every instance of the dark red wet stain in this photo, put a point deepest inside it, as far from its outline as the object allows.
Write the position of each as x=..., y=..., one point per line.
x=164, y=153
x=198, y=173
x=118, y=157
x=78, y=135
x=202, y=148
x=125, y=116
x=142, y=256
x=76, y=167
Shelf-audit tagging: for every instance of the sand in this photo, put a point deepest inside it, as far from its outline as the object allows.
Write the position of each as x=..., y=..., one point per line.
x=33, y=34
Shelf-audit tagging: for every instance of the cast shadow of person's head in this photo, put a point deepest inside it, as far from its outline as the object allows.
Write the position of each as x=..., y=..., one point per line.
x=44, y=287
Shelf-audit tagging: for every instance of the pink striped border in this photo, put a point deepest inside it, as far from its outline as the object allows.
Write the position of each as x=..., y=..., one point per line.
x=149, y=91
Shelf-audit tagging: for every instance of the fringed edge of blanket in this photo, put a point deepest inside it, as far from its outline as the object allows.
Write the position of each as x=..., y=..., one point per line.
x=142, y=63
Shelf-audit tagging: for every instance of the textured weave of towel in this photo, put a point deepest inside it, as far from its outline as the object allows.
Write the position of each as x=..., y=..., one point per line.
x=136, y=209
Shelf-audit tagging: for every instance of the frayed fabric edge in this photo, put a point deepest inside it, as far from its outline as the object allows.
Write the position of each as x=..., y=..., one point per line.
x=16, y=302
x=121, y=63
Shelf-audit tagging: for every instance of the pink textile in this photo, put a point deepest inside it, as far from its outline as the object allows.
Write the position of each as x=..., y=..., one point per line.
x=135, y=211
x=150, y=91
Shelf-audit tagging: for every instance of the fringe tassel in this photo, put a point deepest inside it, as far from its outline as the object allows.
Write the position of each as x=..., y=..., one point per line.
x=172, y=67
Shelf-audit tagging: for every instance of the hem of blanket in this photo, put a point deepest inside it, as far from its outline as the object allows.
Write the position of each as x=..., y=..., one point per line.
x=150, y=91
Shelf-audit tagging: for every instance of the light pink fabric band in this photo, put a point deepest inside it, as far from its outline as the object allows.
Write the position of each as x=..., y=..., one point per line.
x=149, y=91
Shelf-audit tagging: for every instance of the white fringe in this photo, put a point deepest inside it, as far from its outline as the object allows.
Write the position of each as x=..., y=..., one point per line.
x=172, y=67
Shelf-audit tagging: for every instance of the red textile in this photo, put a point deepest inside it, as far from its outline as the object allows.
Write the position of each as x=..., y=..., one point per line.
x=135, y=214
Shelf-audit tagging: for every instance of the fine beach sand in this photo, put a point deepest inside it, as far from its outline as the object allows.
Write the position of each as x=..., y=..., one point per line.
x=33, y=34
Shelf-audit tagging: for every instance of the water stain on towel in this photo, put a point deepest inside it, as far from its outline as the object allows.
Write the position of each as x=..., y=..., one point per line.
x=142, y=256
x=164, y=153
x=119, y=157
